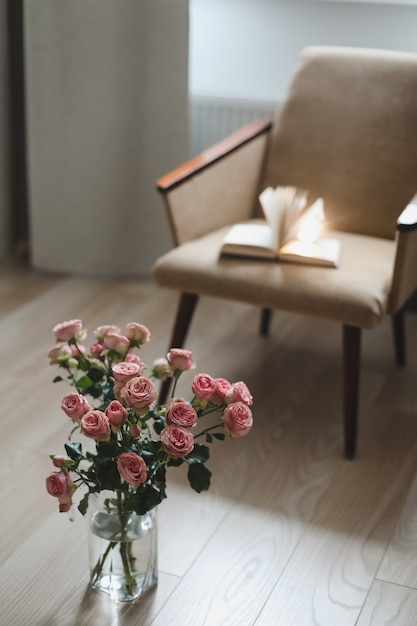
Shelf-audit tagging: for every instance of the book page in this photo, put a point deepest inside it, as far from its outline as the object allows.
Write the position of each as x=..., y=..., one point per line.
x=307, y=225
x=250, y=239
x=282, y=207
x=323, y=252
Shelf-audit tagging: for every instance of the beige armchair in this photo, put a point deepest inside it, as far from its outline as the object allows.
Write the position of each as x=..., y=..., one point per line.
x=347, y=131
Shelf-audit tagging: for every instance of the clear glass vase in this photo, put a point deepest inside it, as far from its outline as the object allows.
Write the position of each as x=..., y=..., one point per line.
x=122, y=548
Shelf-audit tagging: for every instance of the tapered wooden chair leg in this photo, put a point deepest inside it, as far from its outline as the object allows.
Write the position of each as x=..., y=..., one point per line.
x=185, y=311
x=398, y=332
x=351, y=368
x=266, y=316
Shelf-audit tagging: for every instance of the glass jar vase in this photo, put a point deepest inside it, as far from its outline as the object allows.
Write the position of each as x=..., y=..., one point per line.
x=122, y=547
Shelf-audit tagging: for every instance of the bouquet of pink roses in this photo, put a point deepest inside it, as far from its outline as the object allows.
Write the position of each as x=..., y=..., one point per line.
x=114, y=403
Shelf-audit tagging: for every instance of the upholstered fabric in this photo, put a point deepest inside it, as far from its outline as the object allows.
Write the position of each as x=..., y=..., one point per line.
x=347, y=131
x=223, y=193
x=356, y=293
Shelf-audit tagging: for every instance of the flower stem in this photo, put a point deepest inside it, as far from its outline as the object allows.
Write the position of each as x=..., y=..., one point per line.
x=125, y=546
x=95, y=573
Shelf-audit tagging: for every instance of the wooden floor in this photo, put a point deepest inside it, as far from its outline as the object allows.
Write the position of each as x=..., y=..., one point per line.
x=289, y=534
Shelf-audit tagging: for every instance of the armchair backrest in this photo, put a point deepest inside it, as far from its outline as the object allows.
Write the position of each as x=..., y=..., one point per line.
x=347, y=131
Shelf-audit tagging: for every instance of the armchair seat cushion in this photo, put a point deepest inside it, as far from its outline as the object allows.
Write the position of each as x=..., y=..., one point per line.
x=355, y=293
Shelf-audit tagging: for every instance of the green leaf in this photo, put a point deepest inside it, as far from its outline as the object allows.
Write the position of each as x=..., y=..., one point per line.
x=95, y=391
x=160, y=480
x=83, y=504
x=74, y=451
x=108, y=475
x=158, y=425
x=84, y=382
x=153, y=446
x=209, y=438
x=146, y=499
x=107, y=450
x=199, y=477
x=175, y=462
x=220, y=436
x=83, y=364
x=200, y=454
x=57, y=379
x=95, y=374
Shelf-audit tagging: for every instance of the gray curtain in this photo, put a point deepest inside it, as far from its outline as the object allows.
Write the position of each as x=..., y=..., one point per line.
x=6, y=246
x=107, y=113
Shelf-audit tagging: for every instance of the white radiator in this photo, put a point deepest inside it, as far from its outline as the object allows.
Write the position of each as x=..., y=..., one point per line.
x=212, y=118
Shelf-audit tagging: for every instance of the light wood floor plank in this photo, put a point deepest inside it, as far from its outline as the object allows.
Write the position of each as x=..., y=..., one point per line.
x=289, y=532
x=399, y=564
x=390, y=605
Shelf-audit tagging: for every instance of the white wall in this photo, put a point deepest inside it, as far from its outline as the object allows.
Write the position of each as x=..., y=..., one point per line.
x=248, y=48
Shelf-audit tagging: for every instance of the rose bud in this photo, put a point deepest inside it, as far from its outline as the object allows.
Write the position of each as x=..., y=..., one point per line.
x=180, y=359
x=139, y=393
x=238, y=419
x=221, y=387
x=181, y=414
x=239, y=393
x=177, y=441
x=137, y=332
x=132, y=468
x=123, y=371
x=203, y=386
x=58, y=460
x=75, y=405
x=95, y=425
x=116, y=413
x=102, y=331
x=68, y=330
x=116, y=342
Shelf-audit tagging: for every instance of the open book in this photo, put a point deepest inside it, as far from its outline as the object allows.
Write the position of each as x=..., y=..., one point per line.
x=290, y=232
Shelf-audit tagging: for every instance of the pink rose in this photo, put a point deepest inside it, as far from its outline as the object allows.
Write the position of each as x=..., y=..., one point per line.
x=161, y=369
x=181, y=414
x=77, y=350
x=123, y=371
x=180, y=359
x=239, y=393
x=95, y=425
x=60, y=485
x=116, y=413
x=237, y=419
x=60, y=352
x=75, y=405
x=221, y=387
x=58, y=460
x=97, y=348
x=102, y=331
x=203, y=386
x=116, y=342
x=139, y=392
x=68, y=330
x=134, y=430
x=134, y=358
x=177, y=441
x=132, y=468
x=137, y=332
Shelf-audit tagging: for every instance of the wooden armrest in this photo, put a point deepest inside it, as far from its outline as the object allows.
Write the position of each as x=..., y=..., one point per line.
x=231, y=143
x=408, y=218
